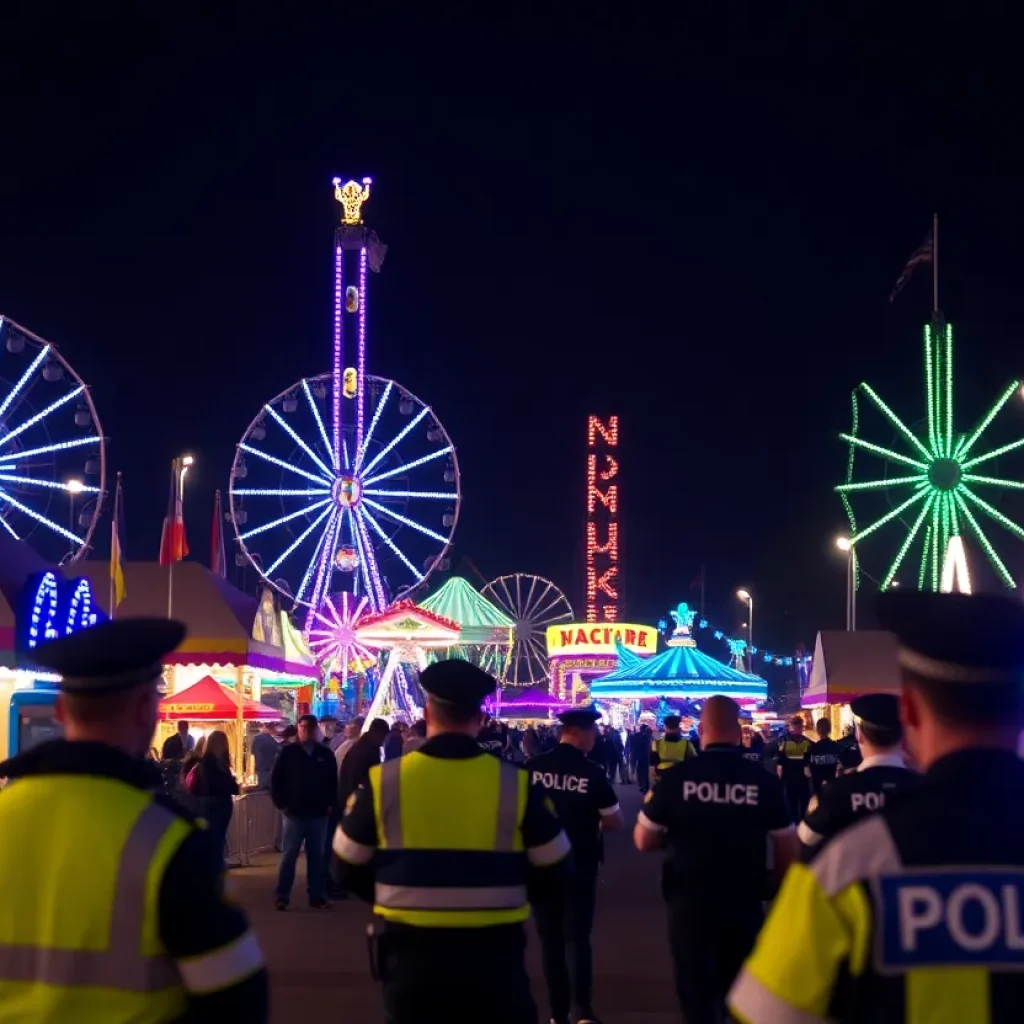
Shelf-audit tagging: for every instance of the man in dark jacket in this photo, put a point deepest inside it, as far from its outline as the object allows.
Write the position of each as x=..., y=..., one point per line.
x=304, y=788
x=363, y=755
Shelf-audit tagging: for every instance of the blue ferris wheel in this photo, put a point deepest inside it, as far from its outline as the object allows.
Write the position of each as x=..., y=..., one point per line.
x=346, y=482
x=52, y=452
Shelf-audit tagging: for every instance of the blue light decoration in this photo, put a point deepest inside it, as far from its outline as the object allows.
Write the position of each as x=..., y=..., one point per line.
x=51, y=606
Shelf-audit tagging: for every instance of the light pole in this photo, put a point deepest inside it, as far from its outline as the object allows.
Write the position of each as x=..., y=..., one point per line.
x=844, y=544
x=73, y=487
x=744, y=595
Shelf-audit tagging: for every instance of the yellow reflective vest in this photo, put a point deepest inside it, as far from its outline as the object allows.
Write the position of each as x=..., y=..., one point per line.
x=83, y=858
x=450, y=850
x=667, y=752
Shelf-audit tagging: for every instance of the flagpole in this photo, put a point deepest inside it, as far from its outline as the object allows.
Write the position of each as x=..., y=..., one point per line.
x=113, y=543
x=935, y=266
x=702, y=591
x=176, y=474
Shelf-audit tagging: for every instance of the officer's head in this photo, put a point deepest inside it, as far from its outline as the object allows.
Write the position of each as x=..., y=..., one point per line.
x=579, y=727
x=455, y=693
x=961, y=662
x=796, y=725
x=720, y=721
x=110, y=679
x=672, y=723
x=823, y=727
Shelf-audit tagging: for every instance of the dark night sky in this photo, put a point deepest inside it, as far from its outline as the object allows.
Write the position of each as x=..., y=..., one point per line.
x=694, y=224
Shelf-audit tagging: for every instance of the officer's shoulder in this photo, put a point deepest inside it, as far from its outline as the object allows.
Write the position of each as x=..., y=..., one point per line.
x=859, y=853
x=171, y=805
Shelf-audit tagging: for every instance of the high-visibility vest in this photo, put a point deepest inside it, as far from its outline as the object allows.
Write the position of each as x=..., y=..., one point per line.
x=83, y=858
x=450, y=851
x=669, y=752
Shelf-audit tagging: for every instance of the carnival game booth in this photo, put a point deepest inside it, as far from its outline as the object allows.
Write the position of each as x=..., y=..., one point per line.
x=525, y=705
x=681, y=672
x=486, y=633
x=846, y=665
x=579, y=652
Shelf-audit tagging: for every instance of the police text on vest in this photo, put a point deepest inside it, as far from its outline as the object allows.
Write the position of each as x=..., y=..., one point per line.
x=720, y=793
x=565, y=783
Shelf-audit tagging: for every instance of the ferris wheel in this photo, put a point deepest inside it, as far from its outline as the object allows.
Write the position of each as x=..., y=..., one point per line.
x=52, y=455
x=533, y=603
x=376, y=524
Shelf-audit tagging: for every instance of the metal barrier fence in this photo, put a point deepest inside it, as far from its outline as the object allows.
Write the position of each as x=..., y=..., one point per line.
x=255, y=827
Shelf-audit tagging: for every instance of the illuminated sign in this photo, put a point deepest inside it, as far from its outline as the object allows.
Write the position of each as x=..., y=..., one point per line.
x=582, y=638
x=602, y=547
x=51, y=606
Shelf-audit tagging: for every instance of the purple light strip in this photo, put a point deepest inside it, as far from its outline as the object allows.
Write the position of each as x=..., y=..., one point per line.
x=326, y=554
x=362, y=349
x=371, y=574
x=339, y=338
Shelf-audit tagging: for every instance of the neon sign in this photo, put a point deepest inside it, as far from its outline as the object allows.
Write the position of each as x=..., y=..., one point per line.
x=52, y=606
x=602, y=549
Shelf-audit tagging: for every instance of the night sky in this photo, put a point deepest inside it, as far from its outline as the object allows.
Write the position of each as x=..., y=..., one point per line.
x=695, y=225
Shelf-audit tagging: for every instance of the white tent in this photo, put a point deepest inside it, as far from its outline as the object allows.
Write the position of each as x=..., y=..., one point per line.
x=847, y=664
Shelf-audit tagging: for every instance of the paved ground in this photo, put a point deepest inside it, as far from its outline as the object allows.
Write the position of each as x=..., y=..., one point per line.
x=320, y=959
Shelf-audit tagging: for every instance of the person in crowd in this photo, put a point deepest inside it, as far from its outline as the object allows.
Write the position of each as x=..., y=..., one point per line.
x=821, y=762
x=346, y=736
x=753, y=746
x=415, y=737
x=913, y=913
x=264, y=755
x=114, y=905
x=615, y=753
x=587, y=806
x=642, y=745
x=531, y=743
x=792, y=754
x=491, y=738
x=849, y=751
x=212, y=783
x=328, y=730
x=304, y=788
x=178, y=744
x=364, y=754
x=882, y=774
x=445, y=842
x=672, y=748
x=289, y=735
x=394, y=742
x=717, y=814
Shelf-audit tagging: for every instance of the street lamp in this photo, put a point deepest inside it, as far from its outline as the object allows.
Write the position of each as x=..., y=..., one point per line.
x=74, y=487
x=846, y=546
x=744, y=595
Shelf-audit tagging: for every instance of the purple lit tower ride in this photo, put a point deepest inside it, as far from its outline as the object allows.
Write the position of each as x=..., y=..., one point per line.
x=345, y=483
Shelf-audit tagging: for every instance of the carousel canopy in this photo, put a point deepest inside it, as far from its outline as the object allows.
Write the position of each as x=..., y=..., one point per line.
x=208, y=701
x=679, y=671
x=481, y=621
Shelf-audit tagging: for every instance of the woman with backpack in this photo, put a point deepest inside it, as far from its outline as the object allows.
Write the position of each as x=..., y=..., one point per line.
x=211, y=783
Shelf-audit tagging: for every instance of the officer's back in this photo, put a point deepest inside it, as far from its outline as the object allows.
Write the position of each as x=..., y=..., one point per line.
x=915, y=913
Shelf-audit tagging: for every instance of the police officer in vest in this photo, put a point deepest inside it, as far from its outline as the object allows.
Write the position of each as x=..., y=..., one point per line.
x=882, y=773
x=587, y=806
x=792, y=760
x=112, y=895
x=445, y=842
x=916, y=913
x=672, y=748
x=718, y=814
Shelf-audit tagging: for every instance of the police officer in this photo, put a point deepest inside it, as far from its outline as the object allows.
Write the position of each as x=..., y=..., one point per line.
x=113, y=897
x=672, y=748
x=882, y=772
x=445, y=842
x=792, y=756
x=916, y=913
x=587, y=806
x=717, y=814
x=821, y=762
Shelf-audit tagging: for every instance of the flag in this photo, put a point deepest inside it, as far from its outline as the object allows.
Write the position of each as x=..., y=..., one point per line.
x=218, y=557
x=923, y=254
x=117, y=548
x=173, y=546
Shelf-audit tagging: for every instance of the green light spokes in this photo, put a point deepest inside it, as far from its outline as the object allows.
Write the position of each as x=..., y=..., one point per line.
x=941, y=474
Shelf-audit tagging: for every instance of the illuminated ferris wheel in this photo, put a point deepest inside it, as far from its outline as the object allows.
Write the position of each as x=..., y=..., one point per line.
x=52, y=456
x=346, y=482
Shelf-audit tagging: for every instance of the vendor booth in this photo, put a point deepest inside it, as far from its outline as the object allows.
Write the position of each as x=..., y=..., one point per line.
x=846, y=665
x=579, y=652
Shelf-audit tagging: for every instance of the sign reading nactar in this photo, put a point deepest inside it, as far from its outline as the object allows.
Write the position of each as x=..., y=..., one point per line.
x=594, y=638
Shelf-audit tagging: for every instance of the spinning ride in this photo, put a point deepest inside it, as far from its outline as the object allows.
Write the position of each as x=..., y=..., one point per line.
x=346, y=482
x=52, y=454
x=933, y=490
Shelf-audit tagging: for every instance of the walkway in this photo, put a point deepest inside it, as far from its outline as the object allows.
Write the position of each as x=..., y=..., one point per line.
x=318, y=960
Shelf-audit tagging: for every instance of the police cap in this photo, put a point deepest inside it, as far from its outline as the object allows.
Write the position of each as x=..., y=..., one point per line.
x=457, y=682
x=672, y=721
x=881, y=710
x=579, y=718
x=956, y=638
x=111, y=656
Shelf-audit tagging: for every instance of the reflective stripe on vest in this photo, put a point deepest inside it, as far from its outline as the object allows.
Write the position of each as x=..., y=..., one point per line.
x=444, y=897
x=121, y=965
